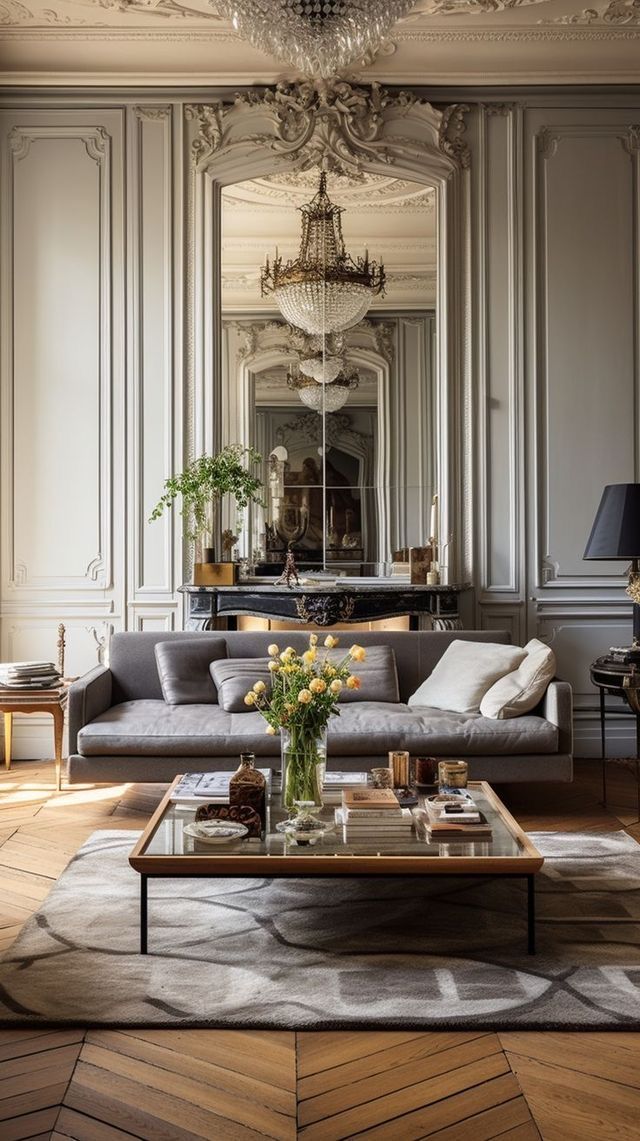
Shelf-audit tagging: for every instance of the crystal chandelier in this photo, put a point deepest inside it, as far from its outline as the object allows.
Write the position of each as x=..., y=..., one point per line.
x=324, y=290
x=326, y=397
x=322, y=368
x=319, y=37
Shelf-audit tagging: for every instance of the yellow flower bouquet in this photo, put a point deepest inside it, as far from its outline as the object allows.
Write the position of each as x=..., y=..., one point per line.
x=305, y=689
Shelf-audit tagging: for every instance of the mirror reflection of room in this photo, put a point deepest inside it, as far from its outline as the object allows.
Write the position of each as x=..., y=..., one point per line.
x=341, y=405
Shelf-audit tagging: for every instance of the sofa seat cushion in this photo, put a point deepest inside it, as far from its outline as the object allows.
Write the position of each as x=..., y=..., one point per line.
x=438, y=732
x=152, y=728
x=364, y=729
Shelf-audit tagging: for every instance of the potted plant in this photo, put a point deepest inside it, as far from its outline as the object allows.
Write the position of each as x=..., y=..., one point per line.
x=201, y=487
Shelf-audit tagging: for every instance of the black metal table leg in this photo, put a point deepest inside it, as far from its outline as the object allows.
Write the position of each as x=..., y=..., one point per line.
x=603, y=747
x=143, y=914
x=531, y=914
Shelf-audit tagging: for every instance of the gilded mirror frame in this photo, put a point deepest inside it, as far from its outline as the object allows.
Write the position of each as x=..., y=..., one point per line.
x=353, y=128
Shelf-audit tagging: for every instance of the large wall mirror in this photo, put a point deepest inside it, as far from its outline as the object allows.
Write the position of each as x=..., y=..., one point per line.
x=349, y=460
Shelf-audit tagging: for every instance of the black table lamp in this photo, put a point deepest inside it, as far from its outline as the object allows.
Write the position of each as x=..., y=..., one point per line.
x=616, y=535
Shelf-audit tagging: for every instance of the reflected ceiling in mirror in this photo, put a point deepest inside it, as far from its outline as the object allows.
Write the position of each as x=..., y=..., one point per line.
x=393, y=218
x=346, y=487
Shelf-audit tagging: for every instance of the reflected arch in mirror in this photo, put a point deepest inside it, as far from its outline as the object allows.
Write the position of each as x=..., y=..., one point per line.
x=347, y=127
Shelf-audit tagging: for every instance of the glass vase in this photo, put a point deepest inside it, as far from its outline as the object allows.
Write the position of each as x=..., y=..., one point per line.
x=304, y=756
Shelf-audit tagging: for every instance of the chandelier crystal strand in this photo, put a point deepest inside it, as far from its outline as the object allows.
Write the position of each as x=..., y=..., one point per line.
x=324, y=290
x=318, y=37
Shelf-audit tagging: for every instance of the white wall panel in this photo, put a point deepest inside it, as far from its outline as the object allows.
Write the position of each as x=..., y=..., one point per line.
x=151, y=341
x=586, y=248
x=61, y=345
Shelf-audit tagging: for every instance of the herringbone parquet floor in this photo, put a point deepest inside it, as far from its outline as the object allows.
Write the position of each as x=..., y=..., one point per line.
x=174, y=1085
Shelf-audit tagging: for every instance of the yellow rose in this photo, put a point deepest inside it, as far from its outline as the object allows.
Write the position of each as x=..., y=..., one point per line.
x=287, y=654
x=353, y=682
x=259, y=687
x=305, y=696
x=250, y=699
x=313, y=640
x=317, y=685
x=271, y=731
x=330, y=671
x=358, y=653
x=309, y=657
x=274, y=666
x=336, y=686
x=330, y=642
x=273, y=650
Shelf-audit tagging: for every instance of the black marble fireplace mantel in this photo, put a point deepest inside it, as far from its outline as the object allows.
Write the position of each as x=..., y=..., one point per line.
x=322, y=604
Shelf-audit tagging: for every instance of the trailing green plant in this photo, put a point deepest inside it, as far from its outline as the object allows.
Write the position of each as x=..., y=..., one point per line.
x=203, y=484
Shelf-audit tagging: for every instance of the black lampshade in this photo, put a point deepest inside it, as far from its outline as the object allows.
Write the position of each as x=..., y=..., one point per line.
x=616, y=530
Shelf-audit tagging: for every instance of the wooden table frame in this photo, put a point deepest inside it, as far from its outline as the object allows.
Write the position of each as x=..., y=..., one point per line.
x=216, y=865
x=56, y=707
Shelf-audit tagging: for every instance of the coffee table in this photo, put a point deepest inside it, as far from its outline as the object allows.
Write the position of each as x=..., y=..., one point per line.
x=164, y=851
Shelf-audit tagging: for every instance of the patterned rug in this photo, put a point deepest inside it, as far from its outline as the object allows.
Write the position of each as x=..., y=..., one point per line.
x=339, y=953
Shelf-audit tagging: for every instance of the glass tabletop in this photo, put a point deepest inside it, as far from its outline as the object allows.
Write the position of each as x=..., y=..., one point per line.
x=169, y=837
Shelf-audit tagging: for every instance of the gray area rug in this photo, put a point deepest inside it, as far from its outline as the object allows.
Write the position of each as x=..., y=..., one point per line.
x=339, y=953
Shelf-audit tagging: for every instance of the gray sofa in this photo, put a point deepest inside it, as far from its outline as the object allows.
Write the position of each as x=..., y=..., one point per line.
x=121, y=729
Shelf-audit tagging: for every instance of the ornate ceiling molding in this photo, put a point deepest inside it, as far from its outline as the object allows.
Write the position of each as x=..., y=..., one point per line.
x=339, y=125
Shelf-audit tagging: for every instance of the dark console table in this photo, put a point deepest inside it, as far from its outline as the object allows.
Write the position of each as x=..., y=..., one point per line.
x=620, y=680
x=322, y=605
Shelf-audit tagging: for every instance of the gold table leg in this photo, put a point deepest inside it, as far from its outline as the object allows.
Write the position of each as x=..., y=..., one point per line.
x=8, y=739
x=58, y=730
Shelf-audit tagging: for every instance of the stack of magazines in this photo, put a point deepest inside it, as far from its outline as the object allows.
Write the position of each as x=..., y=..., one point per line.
x=334, y=783
x=17, y=676
x=373, y=814
x=455, y=817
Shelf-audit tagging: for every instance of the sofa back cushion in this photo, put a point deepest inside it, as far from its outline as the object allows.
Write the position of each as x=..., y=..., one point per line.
x=135, y=674
x=464, y=674
x=521, y=690
x=183, y=669
x=234, y=678
x=378, y=677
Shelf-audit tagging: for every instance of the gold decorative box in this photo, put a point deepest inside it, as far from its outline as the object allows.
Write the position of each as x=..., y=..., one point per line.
x=215, y=574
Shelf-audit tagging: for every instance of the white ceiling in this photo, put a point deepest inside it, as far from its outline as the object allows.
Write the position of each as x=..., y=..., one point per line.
x=394, y=219
x=442, y=42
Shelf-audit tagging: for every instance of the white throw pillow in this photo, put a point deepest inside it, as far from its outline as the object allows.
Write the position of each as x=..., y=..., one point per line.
x=519, y=692
x=464, y=673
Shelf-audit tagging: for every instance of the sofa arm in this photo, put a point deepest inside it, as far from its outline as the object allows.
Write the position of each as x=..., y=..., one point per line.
x=557, y=707
x=89, y=696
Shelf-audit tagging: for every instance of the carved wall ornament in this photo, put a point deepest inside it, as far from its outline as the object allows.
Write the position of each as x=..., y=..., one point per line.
x=325, y=609
x=153, y=113
x=631, y=141
x=452, y=129
x=547, y=142
x=615, y=13
x=338, y=125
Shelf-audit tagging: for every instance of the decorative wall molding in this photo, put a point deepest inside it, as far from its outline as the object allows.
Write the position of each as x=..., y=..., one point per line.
x=98, y=570
x=341, y=124
x=548, y=572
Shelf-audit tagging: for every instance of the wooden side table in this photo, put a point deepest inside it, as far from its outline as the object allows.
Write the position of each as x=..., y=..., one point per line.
x=30, y=701
x=620, y=680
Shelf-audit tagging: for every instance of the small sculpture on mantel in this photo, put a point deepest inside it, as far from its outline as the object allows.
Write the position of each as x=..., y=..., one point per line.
x=289, y=576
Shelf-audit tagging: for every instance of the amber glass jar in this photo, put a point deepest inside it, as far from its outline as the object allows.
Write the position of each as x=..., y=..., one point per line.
x=249, y=787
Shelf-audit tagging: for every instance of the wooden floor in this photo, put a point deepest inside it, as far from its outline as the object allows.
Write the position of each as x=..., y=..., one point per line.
x=175, y=1085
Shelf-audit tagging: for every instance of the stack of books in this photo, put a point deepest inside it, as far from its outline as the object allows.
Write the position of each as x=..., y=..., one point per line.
x=334, y=783
x=373, y=814
x=19, y=676
x=456, y=818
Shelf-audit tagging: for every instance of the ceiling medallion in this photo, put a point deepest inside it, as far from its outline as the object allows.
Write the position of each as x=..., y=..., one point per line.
x=319, y=37
x=324, y=290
